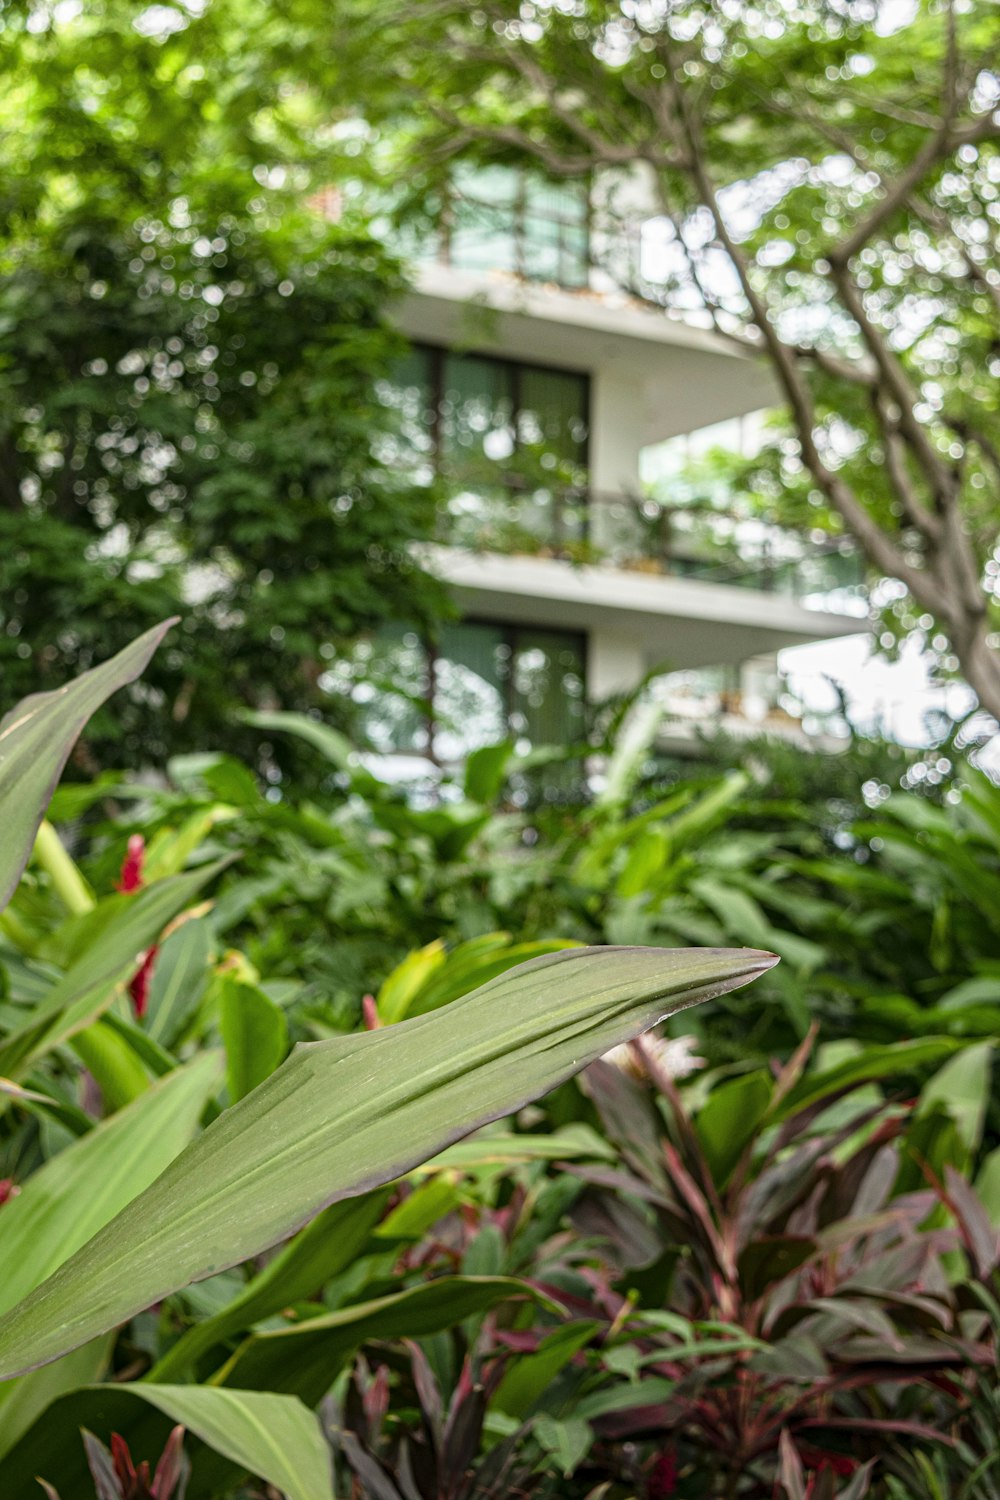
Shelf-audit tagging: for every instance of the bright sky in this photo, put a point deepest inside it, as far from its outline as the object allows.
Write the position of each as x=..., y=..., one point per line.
x=897, y=697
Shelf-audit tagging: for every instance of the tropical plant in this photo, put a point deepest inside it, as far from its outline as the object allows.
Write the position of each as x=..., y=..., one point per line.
x=116, y=1477
x=188, y=1203
x=880, y=903
x=781, y=1296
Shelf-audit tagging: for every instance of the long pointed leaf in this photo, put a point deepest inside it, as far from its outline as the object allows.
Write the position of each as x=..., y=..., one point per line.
x=304, y=1360
x=80, y=1189
x=73, y=1195
x=298, y=1271
x=344, y=1116
x=274, y=1437
x=36, y=738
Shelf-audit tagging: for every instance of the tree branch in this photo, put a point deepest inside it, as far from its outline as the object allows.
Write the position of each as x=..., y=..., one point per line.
x=938, y=146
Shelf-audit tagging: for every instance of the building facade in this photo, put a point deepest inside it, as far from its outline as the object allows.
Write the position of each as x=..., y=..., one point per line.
x=537, y=385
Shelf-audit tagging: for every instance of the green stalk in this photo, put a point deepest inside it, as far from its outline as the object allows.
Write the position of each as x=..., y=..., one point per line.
x=69, y=885
x=12, y=927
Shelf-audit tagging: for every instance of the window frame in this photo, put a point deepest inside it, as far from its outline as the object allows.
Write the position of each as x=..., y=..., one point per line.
x=521, y=212
x=509, y=630
x=439, y=353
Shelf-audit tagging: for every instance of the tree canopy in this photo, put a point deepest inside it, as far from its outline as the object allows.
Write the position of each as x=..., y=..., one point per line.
x=190, y=350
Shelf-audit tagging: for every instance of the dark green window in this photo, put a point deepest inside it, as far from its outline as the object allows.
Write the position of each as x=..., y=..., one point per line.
x=508, y=439
x=481, y=683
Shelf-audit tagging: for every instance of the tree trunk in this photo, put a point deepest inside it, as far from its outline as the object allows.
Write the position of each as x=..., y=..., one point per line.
x=980, y=664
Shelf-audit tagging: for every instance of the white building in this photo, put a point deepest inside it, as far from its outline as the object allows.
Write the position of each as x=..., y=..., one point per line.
x=534, y=387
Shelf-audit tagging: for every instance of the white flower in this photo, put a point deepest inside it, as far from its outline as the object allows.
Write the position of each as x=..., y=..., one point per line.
x=675, y=1055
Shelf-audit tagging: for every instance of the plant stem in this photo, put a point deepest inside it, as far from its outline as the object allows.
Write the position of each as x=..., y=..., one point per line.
x=12, y=927
x=68, y=883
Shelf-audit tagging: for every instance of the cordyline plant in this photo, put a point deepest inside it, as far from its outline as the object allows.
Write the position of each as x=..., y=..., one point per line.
x=116, y=1477
x=337, y=1119
x=814, y=1322
x=440, y=1456
x=812, y=1318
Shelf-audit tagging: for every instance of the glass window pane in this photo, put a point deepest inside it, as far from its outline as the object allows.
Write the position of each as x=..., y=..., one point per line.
x=567, y=200
x=548, y=687
x=553, y=416
x=390, y=690
x=495, y=184
x=476, y=416
x=482, y=237
x=408, y=392
x=483, y=219
x=470, y=692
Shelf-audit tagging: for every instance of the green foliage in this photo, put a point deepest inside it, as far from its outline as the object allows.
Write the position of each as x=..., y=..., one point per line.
x=273, y=1436
x=881, y=905
x=189, y=361
x=35, y=741
x=804, y=1309
x=120, y=1213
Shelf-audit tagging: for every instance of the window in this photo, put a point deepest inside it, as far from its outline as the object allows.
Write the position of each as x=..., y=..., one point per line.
x=507, y=219
x=509, y=439
x=483, y=682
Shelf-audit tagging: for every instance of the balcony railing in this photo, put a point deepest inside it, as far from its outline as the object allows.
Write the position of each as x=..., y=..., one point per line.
x=586, y=526
x=549, y=233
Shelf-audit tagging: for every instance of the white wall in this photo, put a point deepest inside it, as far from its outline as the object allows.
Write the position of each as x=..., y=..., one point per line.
x=615, y=663
x=617, y=422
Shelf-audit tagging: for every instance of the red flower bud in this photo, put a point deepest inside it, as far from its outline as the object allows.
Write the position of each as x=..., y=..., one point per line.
x=663, y=1477
x=139, y=986
x=130, y=878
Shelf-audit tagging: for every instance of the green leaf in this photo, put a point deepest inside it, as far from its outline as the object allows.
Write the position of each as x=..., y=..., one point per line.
x=170, y=849
x=872, y=1063
x=505, y=1149
x=23, y=1401
x=254, y=1033
x=322, y=1250
x=71, y=1197
x=87, y=987
x=273, y=1437
x=179, y=978
x=529, y=1377
x=654, y=1391
x=473, y=964
x=77, y=1191
x=331, y=744
x=485, y=770
x=729, y=1119
x=568, y=1441
x=400, y=988
x=646, y=859
x=305, y=1360
x=962, y=1089
x=988, y=1186
x=115, y=1065
x=341, y=1117
x=36, y=738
